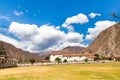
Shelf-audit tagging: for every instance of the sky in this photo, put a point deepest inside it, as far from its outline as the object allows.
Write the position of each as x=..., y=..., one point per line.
x=42, y=25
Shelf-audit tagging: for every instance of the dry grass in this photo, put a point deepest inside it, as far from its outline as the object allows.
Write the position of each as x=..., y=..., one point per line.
x=102, y=71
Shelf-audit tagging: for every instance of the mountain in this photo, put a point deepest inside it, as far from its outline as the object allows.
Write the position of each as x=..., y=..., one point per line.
x=15, y=53
x=73, y=49
x=70, y=50
x=107, y=43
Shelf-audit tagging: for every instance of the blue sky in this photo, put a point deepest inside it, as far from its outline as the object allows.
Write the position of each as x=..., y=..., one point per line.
x=25, y=23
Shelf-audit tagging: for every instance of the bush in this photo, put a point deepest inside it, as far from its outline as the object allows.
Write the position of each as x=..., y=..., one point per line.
x=86, y=59
x=32, y=61
x=65, y=60
x=97, y=57
x=58, y=60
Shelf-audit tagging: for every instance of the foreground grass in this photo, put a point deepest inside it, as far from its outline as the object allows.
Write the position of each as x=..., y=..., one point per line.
x=101, y=71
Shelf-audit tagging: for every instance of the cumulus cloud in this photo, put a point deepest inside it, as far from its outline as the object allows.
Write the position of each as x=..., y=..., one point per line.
x=77, y=19
x=44, y=37
x=4, y=17
x=99, y=27
x=23, y=31
x=70, y=39
x=93, y=15
x=18, y=13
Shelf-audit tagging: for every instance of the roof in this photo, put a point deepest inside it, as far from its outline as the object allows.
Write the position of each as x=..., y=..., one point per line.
x=79, y=55
x=56, y=52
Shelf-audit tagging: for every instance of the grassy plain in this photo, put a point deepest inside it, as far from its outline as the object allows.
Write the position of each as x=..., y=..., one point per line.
x=98, y=71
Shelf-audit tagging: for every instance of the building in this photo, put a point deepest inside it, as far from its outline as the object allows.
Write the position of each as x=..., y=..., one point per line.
x=70, y=57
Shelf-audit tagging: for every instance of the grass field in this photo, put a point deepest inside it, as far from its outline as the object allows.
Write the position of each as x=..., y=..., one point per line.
x=101, y=71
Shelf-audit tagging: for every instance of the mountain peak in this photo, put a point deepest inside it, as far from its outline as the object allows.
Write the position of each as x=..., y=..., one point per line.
x=107, y=43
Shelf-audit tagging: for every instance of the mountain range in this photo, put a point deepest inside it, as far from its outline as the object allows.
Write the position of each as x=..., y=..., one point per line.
x=107, y=43
x=19, y=54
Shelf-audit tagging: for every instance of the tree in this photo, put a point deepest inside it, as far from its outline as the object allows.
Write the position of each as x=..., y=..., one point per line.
x=32, y=61
x=47, y=58
x=86, y=60
x=65, y=61
x=58, y=60
x=96, y=57
x=110, y=58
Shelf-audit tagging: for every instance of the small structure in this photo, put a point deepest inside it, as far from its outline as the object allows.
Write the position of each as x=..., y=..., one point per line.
x=4, y=60
x=7, y=62
x=71, y=57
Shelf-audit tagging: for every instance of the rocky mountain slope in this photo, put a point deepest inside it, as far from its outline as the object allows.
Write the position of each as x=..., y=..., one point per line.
x=107, y=43
x=70, y=50
x=15, y=53
x=73, y=49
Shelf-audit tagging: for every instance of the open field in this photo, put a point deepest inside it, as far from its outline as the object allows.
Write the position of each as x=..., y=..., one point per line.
x=99, y=71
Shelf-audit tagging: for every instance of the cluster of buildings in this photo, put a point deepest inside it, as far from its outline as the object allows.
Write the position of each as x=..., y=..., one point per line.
x=70, y=57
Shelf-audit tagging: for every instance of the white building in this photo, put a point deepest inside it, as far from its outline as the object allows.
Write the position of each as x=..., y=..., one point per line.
x=70, y=57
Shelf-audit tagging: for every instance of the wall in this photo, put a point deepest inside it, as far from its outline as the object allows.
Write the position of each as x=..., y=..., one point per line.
x=70, y=59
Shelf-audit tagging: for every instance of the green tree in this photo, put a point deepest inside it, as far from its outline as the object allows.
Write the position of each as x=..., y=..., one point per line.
x=47, y=58
x=32, y=61
x=65, y=61
x=96, y=57
x=86, y=60
x=110, y=58
x=58, y=60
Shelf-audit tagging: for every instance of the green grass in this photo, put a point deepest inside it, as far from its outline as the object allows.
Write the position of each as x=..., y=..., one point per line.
x=101, y=71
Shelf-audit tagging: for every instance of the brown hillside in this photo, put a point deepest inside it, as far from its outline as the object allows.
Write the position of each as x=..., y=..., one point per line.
x=15, y=53
x=107, y=43
x=73, y=49
x=70, y=50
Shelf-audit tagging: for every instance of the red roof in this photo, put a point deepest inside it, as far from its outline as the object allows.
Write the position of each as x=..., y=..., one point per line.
x=79, y=55
x=72, y=54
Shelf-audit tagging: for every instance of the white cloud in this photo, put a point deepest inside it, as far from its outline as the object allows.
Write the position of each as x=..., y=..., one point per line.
x=77, y=19
x=71, y=39
x=4, y=17
x=18, y=13
x=93, y=15
x=44, y=37
x=23, y=31
x=99, y=27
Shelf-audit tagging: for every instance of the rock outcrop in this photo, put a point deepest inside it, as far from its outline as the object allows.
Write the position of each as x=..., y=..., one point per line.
x=107, y=43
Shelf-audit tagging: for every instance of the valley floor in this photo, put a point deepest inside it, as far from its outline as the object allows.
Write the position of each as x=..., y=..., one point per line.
x=98, y=71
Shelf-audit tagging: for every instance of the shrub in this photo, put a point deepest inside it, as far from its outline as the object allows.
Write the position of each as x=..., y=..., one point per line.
x=86, y=59
x=65, y=60
x=58, y=60
x=32, y=61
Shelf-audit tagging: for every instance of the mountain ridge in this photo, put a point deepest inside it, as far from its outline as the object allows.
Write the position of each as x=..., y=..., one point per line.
x=107, y=43
x=19, y=54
